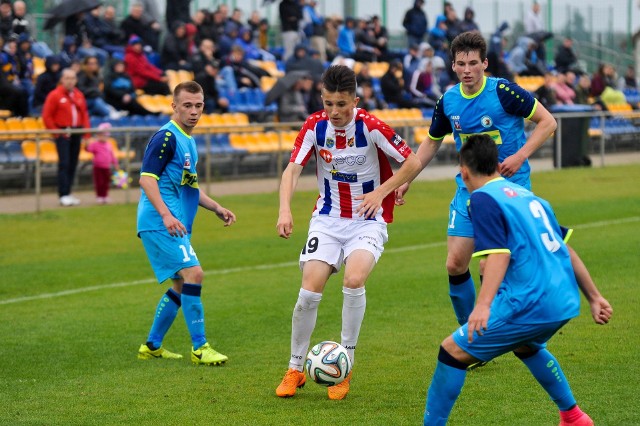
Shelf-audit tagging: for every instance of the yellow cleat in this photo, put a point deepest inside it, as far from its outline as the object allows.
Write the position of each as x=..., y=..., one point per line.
x=146, y=353
x=340, y=390
x=206, y=355
x=293, y=379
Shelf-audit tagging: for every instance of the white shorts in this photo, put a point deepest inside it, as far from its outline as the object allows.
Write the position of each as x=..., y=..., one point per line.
x=333, y=239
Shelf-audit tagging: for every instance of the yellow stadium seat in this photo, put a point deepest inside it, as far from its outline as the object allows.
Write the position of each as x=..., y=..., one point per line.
x=119, y=153
x=48, y=151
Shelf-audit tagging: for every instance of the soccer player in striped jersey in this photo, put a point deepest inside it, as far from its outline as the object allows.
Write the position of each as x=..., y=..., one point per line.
x=169, y=201
x=529, y=292
x=480, y=104
x=349, y=222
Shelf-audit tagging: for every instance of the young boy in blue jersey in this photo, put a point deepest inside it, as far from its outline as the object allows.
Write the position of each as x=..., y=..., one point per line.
x=529, y=291
x=480, y=104
x=168, y=204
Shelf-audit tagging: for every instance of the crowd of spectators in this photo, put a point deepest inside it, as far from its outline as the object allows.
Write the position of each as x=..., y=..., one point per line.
x=116, y=59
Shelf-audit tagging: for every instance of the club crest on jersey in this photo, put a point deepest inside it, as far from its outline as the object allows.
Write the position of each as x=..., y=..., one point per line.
x=344, y=177
x=456, y=125
x=486, y=121
x=509, y=192
x=187, y=161
x=329, y=142
x=326, y=155
x=351, y=141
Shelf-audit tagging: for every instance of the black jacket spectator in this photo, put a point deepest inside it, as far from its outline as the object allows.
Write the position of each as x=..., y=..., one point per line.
x=415, y=22
x=47, y=81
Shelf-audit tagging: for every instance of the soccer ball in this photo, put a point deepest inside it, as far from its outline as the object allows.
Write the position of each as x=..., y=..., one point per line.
x=328, y=363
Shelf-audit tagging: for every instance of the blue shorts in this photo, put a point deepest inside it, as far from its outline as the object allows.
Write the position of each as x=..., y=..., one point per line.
x=501, y=337
x=168, y=254
x=459, y=220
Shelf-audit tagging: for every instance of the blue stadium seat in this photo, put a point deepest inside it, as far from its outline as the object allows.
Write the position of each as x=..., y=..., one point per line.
x=14, y=150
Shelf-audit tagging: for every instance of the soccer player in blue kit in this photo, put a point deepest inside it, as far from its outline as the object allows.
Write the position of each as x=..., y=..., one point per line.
x=529, y=291
x=480, y=104
x=168, y=204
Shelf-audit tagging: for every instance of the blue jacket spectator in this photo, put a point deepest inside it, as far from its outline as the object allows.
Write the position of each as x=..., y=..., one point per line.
x=415, y=22
x=347, y=38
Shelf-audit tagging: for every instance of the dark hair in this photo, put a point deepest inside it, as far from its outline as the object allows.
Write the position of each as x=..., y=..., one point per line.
x=339, y=78
x=470, y=41
x=187, y=86
x=480, y=154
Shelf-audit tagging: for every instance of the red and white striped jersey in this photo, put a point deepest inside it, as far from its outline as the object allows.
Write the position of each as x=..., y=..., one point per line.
x=351, y=161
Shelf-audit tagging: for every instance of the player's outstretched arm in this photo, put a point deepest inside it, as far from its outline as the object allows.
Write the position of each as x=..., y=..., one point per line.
x=224, y=214
x=601, y=309
x=288, y=185
x=425, y=153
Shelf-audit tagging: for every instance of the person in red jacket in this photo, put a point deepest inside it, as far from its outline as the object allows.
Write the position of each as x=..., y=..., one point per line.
x=66, y=108
x=143, y=73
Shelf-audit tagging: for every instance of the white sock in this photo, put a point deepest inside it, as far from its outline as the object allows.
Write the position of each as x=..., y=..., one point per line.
x=353, y=306
x=303, y=322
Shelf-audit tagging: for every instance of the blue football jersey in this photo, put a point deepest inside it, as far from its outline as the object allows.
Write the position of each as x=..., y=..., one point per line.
x=540, y=284
x=498, y=110
x=171, y=158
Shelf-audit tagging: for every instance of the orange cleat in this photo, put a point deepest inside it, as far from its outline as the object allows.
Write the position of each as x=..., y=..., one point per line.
x=340, y=390
x=293, y=379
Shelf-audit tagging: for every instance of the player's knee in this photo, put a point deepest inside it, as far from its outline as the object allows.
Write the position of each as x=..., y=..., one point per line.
x=456, y=266
x=525, y=352
x=446, y=358
x=193, y=275
x=354, y=280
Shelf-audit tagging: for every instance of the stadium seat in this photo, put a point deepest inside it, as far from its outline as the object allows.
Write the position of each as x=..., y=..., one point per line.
x=15, y=153
x=120, y=153
x=48, y=151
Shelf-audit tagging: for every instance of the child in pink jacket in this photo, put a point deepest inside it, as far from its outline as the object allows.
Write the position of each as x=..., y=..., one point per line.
x=103, y=159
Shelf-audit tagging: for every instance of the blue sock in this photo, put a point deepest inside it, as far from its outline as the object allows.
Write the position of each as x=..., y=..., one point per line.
x=547, y=371
x=193, y=313
x=463, y=295
x=445, y=387
x=165, y=314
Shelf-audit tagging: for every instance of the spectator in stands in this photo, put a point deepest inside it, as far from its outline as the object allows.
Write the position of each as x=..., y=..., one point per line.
x=12, y=96
x=381, y=35
x=546, y=93
x=290, y=18
x=454, y=26
x=523, y=60
x=292, y=105
x=203, y=20
x=90, y=83
x=438, y=34
x=177, y=11
x=66, y=108
x=583, y=93
x=302, y=61
x=314, y=102
x=411, y=61
x=175, y=49
x=24, y=58
x=244, y=75
x=6, y=19
x=347, y=38
x=103, y=33
x=104, y=160
x=393, y=87
x=366, y=45
x=145, y=76
x=363, y=76
x=68, y=52
x=46, y=82
x=368, y=99
x=603, y=77
x=421, y=86
x=314, y=28
x=251, y=50
x=533, y=21
x=119, y=91
x=564, y=93
x=141, y=25
x=497, y=66
x=332, y=28
x=566, y=58
x=416, y=23
x=218, y=19
x=22, y=22
x=628, y=81
x=468, y=23
x=206, y=70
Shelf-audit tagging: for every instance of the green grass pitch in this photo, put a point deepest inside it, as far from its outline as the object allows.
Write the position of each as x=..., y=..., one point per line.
x=77, y=299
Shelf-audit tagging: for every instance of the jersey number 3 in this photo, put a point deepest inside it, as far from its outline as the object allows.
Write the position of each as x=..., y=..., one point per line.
x=548, y=239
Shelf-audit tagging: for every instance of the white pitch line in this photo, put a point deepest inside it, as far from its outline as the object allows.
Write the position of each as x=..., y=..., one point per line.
x=268, y=266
